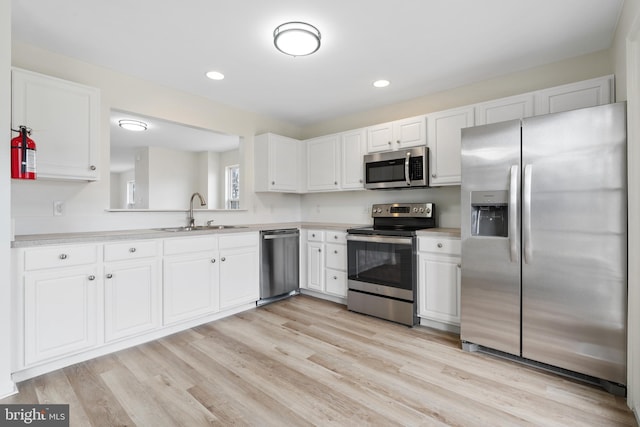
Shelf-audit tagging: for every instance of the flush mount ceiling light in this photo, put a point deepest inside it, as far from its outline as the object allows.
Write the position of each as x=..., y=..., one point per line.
x=381, y=83
x=296, y=38
x=134, y=125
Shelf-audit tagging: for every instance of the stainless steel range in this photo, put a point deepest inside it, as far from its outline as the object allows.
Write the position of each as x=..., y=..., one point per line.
x=382, y=261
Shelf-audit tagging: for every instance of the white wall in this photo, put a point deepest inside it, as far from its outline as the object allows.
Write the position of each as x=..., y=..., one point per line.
x=6, y=385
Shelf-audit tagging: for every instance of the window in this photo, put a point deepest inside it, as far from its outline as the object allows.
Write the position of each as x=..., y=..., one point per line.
x=131, y=194
x=232, y=186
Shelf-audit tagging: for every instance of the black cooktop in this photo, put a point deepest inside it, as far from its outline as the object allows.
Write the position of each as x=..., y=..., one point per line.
x=386, y=231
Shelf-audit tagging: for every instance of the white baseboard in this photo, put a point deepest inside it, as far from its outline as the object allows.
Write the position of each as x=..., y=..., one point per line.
x=7, y=389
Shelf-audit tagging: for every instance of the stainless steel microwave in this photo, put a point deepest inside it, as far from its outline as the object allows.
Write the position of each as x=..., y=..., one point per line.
x=407, y=168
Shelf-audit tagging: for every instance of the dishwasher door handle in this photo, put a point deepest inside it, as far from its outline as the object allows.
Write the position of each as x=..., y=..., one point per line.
x=280, y=236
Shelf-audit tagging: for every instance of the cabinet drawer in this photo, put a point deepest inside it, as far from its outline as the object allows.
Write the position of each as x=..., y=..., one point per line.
x=336, y=282
x=337, y=237
x=60, y=256
x=130, y=250
x=315, y=236
x=238, y=240
x=336, y=256
x=442, y=245
x=190, y=244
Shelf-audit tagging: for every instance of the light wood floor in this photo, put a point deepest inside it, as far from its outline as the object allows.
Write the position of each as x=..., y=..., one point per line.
x=305, y=361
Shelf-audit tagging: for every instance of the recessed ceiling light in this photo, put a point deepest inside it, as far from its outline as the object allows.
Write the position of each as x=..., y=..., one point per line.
x=215, y=75
x=296, y=38
x=381, y=83
x=134, y=125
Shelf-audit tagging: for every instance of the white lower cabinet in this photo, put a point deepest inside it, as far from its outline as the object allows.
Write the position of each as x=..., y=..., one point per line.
x=61, y=288
x=439, y=279
x=190, y=278
x=326, y=262
x=239, y=269
x=132, y=289
x=79, y=301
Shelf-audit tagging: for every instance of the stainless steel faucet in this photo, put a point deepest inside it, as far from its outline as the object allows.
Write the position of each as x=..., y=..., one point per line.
x=203, y=202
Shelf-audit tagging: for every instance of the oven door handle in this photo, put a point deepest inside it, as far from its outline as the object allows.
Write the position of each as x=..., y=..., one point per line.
x=381, y=239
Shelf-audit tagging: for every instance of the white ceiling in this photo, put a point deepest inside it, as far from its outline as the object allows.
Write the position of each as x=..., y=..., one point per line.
x=421, y=46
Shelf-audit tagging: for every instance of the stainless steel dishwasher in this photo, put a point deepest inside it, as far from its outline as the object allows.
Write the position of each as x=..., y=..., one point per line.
x=279, y=264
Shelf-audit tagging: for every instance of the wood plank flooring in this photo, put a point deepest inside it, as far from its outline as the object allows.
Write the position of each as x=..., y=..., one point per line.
x=305, y=361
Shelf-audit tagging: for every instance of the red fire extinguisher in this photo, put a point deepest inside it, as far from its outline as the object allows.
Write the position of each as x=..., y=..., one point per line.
x=23, y=155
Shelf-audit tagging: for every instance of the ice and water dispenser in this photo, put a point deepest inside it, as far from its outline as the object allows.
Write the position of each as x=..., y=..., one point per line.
x=490, y=213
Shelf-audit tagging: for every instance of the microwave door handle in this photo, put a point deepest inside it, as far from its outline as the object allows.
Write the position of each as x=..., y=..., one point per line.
x=406, y=169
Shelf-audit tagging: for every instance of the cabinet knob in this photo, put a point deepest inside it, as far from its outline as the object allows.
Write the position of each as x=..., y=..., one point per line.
x=459, y=265
x=92, y=277
x=109, y=276
x=63, y=256
x=439, y=245
x=273, y=183
x=335, y=182
x=398, y=142
x=335, y=237
x=313, y=235
x=213, y=261
x=223, y=259
x=335, y=252
x=360, y=181
x=389, y=142
x=92, y=167
x=433, y=175
x=335, y=277
x=132, y=250
x=319, y=250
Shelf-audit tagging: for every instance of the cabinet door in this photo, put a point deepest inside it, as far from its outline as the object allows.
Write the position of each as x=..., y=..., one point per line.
x=444, y=143
x=353, y=149
x=379, y=137
x=323, y=163
x=132, y=298
x=502, y=110
x=284, y=163
x=60, y=312
x=239, y=276
x=190, y=286
x=315, y=266
x=64, y=117
x=439, y=288
x=588, y=93
x=410, y=132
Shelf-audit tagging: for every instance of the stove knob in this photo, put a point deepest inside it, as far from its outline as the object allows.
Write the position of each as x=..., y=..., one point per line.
x=428, y=210
x=415, y=210
x=421, y=210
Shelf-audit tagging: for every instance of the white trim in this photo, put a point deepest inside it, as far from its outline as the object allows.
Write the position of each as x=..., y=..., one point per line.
x=633, y=189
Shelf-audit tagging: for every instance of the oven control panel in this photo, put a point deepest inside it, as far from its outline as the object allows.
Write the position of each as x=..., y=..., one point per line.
x=407, y=210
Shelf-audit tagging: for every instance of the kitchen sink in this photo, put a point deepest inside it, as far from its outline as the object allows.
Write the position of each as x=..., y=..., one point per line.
x=201, y=227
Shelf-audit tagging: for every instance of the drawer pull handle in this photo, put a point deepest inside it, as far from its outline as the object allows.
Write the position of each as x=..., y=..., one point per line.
x=213, y=261
x=335, y=277
x=439, y=245
x=335, y=237
x=313, y=235
x=109, y=276
x=63, y=256
x=92, y=167
x=92, y=277
x=132, y=250
x=335, y=252
x=319, y=250
x=223, y=259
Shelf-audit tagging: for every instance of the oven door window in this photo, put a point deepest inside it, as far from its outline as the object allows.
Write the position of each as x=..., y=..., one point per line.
x=389, y=264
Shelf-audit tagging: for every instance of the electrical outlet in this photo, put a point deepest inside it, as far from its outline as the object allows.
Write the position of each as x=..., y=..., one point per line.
x=58, y=208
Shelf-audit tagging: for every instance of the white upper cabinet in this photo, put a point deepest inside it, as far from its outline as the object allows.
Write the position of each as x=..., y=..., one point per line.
x=277, y=163
x=64, y=117
x=504, y=109
x=353, y=149
x=323, y=163
x=587, y=93
x=334, y=162
x=409, y=132
x=444, y=144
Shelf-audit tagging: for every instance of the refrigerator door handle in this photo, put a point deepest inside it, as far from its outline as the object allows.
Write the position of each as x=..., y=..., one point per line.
x=513, y=214
x=526, y=214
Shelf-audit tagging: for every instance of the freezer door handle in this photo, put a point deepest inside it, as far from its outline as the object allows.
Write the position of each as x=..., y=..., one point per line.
x=513, y=214
x=526, y=214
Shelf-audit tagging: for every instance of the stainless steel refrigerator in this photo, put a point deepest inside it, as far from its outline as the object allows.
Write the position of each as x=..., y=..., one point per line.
x=544, y=241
